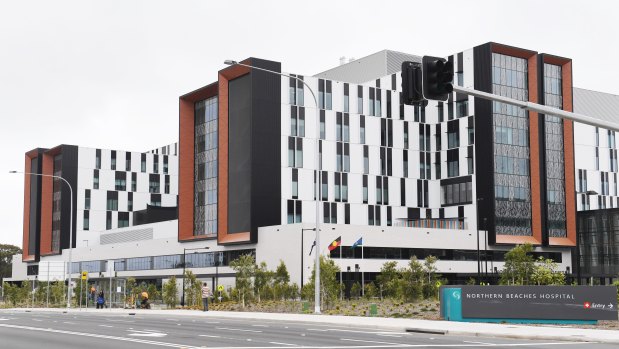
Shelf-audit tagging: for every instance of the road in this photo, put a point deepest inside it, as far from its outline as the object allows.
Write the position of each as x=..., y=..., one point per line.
x=93, y=330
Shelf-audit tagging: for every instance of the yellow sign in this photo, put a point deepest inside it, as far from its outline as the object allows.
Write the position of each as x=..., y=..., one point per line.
x=220, y=288
x=84, y=275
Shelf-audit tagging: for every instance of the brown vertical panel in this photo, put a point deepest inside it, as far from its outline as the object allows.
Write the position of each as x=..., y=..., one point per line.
x=568, y=153
x=186, y=169
x=534, y=154
x=47, y=188
x=26, y=225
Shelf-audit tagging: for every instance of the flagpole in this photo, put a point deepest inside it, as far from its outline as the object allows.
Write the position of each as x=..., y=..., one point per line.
x=362, y=269
x=341, y=291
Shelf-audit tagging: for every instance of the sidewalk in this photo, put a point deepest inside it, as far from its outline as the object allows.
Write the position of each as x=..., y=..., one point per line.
x=427, y=326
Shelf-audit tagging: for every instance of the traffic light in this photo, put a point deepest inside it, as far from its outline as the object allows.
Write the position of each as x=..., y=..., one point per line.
x=437, y=77
x=411, y=83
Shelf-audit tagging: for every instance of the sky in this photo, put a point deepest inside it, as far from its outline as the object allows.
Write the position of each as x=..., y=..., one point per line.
x=108, y=74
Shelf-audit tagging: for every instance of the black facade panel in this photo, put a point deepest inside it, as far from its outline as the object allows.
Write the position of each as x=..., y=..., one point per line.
x=265, y=146
x=69, y=172
x=239, y=154
x=484, y=144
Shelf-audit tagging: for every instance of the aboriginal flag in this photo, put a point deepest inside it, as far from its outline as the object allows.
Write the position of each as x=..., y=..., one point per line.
x=335, y=244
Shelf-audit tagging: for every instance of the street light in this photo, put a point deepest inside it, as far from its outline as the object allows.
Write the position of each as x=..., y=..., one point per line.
x=69, y=288
x=316, y=160
x=184, y=267
x=302, y=230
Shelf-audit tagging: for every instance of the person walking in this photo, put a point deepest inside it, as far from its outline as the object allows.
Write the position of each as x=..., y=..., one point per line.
x=206, y=293
x=100, y=300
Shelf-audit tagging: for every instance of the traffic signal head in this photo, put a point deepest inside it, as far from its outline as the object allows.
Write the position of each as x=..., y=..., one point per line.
x=411, y=83
x=437, y=78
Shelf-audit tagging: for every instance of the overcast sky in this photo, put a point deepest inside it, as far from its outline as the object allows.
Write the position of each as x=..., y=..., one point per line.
x=108, y=74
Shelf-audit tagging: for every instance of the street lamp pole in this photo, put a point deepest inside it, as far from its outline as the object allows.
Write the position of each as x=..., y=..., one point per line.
x=185, y=267
x=317, y=177
x=302, y=230
x=69, y=288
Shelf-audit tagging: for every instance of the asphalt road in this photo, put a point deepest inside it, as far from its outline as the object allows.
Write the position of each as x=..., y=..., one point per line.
x=93, y=331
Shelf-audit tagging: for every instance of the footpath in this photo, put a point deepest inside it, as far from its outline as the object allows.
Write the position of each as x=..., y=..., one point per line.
x=542, y=332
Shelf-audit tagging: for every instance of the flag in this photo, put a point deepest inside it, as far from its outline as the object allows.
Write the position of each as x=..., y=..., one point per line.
x=335, y=244
x=311, y=249
x=358, y=243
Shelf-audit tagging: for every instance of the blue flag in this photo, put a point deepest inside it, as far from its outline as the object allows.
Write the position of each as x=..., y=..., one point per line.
x=358, y=243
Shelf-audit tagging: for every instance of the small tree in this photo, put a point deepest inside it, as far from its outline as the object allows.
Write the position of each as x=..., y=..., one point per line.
x=262, y=280
x=245, y=268
x=131, y=289
x=281, y=279
x=193, y=293
x=170, y=293
x=355, y=290
x=388, y=279
x=546, y=273
x=429, y=266
x=519, y=266
x=329, y=285
x=370, y=291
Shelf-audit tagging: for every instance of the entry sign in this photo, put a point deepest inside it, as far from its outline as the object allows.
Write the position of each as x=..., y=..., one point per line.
x=220, y=288
x=84, y=275
x=540, y=302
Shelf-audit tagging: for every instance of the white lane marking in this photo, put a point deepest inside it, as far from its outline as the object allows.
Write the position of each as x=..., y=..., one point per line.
x=237, y=329
x=108, y=326
x=317, y=329
x=412, y=346
x=206, y=335
x=260, y=326
x=364, y=341
x=484, y=343
x=280, y=343
x=388, y=335
x=120, y=321
x=93, y=335
x=355, y=331
x=69, y=323
x=147, y=334
x=212, y=322
x=172, y=319
x=38, y=320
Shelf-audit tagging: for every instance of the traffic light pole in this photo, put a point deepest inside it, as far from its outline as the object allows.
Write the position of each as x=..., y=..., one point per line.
x=543, y=109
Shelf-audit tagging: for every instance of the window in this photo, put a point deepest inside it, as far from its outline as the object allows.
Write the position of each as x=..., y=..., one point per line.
x=323, y=130
x=155, y=199
x=120, y=181
x=87, y=199
x=108, y=220
x=365, y=189
x=347, y=214
x=95, y=180
x=471, y=131
x=296, y=90
x=371, y=102
x=378, y=103
x=155, y=163
x=453, y=163
x=295, y=152
x=330, y=213
x=134, y=181
x=405, y=134
x=346, y=97
x=453, y=135
x=112, y=201
x=389, y=104
x=98, y=158
x=469, y=159
x=437, y=164
x=113, y=161
x=86, y=220
x=123, y=219
x=405, y=163
x=341, y=187
x=153, y=183
x=462, y=108
x=127, y=161
x=362, y=129
x=366, y=159
x=457, y=193
x=165, y=164
x=441, y=112
x=130, y=201
x=324, y=94
x=324, y=186
x=167, y=184
x=460, y=78
x=359, y=99
x=297, y=121
x=295, y=183
x=143, y=162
